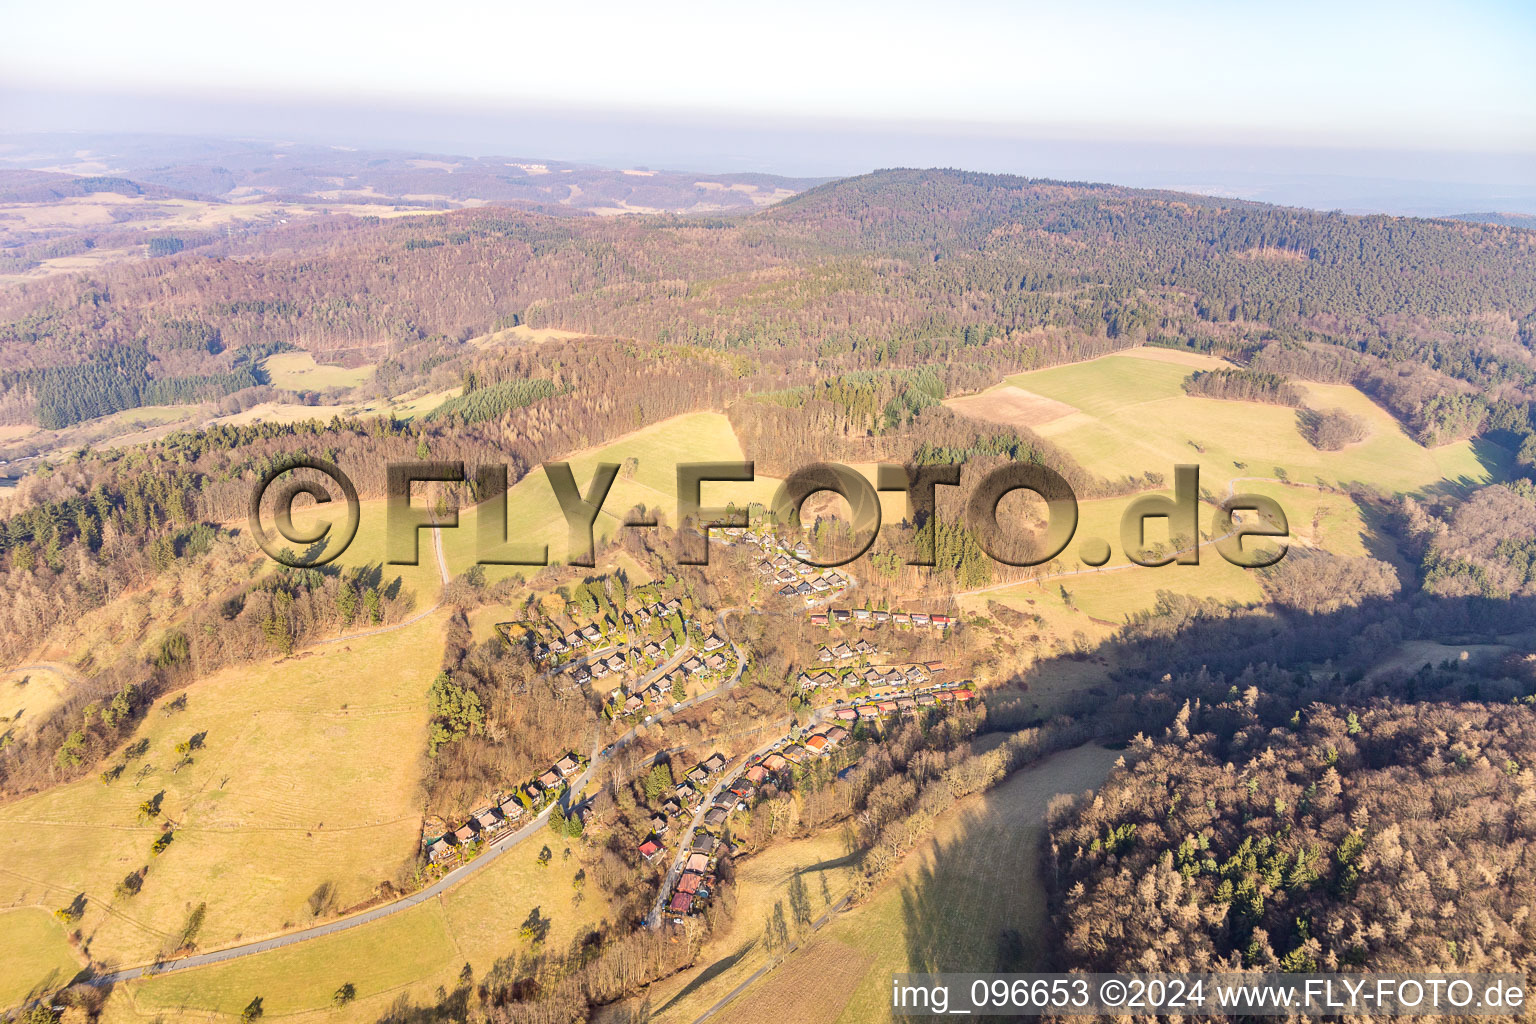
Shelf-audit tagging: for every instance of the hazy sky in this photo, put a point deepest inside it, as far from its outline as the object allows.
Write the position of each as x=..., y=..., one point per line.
x=1397, y=74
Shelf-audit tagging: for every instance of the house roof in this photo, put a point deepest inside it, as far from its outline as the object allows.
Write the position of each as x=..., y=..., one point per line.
x=690, y=881
x=681, y=903
x=698, y=862
x=649, y=848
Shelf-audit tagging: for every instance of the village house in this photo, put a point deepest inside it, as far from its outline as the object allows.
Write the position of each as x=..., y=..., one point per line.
x=836, y=735
x=819, y=619
x=465, y=833
x=487, y=820
x=713, y=642
x=924, y=699
x=715, y=662
x=714, y=763
x=651, y=650
x=963, y=694
x=756, y=774
x=567, y=766
x=671, y=808
x=861, y=614
x=511, y=809
x=615, y=663
x=881, y=616
x=633, y=704
x=869, y=712
x=693, y=666
x=550, y=779
x=696, y=774
x=439, y=850
x=887, y=707
x=846, y=714
x=919, y=619
x=716, y=817
x=940, y=620
x=681, y=903
x=697, y=862
x=775, y=762
x=900, y=618
x=906, y=705
x=794, y=753
x=840, y=615
x=659, y=824
x=599, y=670
x=650, y=849
x=703, y=843
x=816, y=744
x=690, y=882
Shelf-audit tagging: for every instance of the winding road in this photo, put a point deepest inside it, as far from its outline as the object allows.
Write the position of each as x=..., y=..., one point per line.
x=459, y=874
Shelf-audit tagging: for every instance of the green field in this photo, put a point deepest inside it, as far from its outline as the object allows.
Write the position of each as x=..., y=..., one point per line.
x=308, y=773
x=533, y=514
x=37, y=958
x=731, y=955
x=298, y=371
x=1133, y=416
x=975, y=876
x=408, y=954
x=369, y=550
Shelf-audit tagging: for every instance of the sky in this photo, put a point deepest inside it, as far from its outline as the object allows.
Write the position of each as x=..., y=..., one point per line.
x=1452, y=84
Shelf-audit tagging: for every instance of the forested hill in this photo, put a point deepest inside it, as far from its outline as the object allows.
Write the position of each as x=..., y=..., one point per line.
x=897, y=269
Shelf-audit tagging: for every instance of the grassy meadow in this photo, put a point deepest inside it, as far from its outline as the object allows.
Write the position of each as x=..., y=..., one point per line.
x=298, y=371
x=409, y=954
x=533, y=514
x=1132, y=415
x=305, y=773
x=940, y=911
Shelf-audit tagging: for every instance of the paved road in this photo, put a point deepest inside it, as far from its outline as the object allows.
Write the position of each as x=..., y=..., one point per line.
x=494, y=850
x=654, y=917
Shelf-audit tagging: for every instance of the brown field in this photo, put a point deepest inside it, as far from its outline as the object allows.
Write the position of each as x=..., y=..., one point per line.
x=1012, y=406
x=1174, y=355
x=818, y=999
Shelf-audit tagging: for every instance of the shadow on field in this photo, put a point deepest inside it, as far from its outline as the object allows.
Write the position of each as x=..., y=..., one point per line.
x=707, y=975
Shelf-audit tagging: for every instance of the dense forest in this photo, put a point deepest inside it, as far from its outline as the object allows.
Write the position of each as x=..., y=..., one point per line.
x=1395, y=837
x=967, y=275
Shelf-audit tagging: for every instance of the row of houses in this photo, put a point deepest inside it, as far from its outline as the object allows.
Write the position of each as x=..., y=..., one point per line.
x=490, y=821
x=879, y=617
x=685, y=797
x=846, y=651
x=593, y=634
x=904, y=704
x=696, y=882
x=658, y=692
x=874, y=678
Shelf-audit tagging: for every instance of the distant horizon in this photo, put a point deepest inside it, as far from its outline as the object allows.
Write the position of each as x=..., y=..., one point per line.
x=1362, y=105
x=1358, y=180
